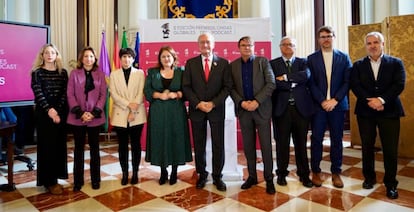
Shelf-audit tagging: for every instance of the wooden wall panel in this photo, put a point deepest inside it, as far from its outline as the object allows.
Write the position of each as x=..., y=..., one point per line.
x=399, y=32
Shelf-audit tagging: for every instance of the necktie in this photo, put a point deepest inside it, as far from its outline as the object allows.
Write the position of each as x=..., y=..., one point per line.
x=289, y=66
x=206, y=68
x=291, y=98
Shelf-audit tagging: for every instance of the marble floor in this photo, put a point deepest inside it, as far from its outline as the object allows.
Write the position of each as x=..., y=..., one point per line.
x=148, y=195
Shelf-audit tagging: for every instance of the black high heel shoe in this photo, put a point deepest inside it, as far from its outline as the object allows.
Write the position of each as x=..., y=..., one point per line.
x=173, y=177
x=124, y=179
x=163, y=177
x=134, y=179
x=96, y=185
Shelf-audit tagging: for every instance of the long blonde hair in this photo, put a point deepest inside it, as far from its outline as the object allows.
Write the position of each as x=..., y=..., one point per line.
x=38, y=63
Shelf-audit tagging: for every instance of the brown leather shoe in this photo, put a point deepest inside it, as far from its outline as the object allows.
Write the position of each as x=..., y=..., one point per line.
x=336, y=181
x=316, y=179
x=55, y=189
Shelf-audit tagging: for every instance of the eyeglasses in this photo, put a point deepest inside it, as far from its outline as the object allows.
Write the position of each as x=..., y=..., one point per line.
x=287, y=45
x=328, y=37
x=246, y=45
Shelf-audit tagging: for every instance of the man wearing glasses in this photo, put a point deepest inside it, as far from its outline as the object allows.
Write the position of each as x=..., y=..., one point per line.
x=291, y=111
x=330, y=72
x=253, y=84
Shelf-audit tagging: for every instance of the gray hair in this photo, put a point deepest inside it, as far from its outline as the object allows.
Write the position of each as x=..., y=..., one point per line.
x=293, y=40
x=375, y=34
x=208, y=34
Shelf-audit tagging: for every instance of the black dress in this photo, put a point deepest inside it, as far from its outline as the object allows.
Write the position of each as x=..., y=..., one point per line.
x=49, y=88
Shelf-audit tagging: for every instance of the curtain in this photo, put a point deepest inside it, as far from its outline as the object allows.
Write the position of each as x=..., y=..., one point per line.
x=300, y=25
x=101, y=18
x=63, y=29
x=338, y=15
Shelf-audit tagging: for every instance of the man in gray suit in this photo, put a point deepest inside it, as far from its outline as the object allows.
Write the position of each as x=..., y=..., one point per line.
x=253, y=84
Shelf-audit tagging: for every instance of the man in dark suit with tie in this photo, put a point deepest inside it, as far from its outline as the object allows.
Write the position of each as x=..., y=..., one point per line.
x=206, y=85
x=330, y=70
x=377, y=81
x=292, y=110
x=253, y=84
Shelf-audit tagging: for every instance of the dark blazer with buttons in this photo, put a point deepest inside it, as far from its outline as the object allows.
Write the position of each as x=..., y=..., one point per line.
x=196, y=88
x=341, y=69
x=300, y=75
x=389, y=85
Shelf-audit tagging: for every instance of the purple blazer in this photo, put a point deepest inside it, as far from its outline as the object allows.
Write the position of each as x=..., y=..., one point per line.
x=77, y=96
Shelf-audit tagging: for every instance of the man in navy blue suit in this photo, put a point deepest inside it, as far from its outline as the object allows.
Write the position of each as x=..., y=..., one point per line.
x=377, y=80
x=292, y=110
x=330, y=71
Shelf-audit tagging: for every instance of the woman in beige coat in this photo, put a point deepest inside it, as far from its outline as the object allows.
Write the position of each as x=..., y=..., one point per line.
x=128, y=112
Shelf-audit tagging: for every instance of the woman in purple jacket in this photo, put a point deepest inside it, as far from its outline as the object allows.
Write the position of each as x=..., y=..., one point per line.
x=86, y=98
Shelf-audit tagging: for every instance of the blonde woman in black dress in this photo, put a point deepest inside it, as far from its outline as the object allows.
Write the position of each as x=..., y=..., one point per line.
x=49, y=82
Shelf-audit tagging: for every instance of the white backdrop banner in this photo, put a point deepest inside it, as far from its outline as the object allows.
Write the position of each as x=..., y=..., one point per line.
x=182, y=34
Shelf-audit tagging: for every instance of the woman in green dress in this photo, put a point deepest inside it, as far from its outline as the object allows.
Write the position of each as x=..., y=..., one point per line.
x=168, y=141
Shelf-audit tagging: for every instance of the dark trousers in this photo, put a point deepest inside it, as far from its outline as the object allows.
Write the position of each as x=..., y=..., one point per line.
x=79, y=134
x=335, y=121
x=132, y=133
x=199, y=130
x=389, y=132
x=249, y=122
x=51, y=149
x=291, y=123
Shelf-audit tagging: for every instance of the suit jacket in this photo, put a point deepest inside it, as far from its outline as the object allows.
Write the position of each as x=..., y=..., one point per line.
x=389, y=85
x=216, y=89
x=77, y=97
x=341, y=68
x=123, y=94
x=299, y=75
x=263, y=85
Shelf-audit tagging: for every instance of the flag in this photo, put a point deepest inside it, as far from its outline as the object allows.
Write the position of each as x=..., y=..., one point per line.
x=124, y=40
x=104, y=58
x=116, y=63
x=136, y=61
x=106, y=68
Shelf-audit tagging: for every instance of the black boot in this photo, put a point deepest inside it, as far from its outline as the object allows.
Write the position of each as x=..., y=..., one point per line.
x=124, y=179
x=164, y=176
x=123, y=161
x=134, y=179
x=173, y=177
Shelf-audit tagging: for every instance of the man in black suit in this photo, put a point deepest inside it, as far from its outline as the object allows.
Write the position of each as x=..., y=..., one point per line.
x=377, y=81
x=206, y=85
x=253, y=84
x=292, y=110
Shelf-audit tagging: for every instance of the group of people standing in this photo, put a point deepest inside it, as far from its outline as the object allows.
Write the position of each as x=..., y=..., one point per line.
x=288, y=91
x=325, y=78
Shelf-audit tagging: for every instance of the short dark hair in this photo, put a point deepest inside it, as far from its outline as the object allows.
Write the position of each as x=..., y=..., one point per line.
x=326, y=29
x=126, y=51
x=247, y=39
